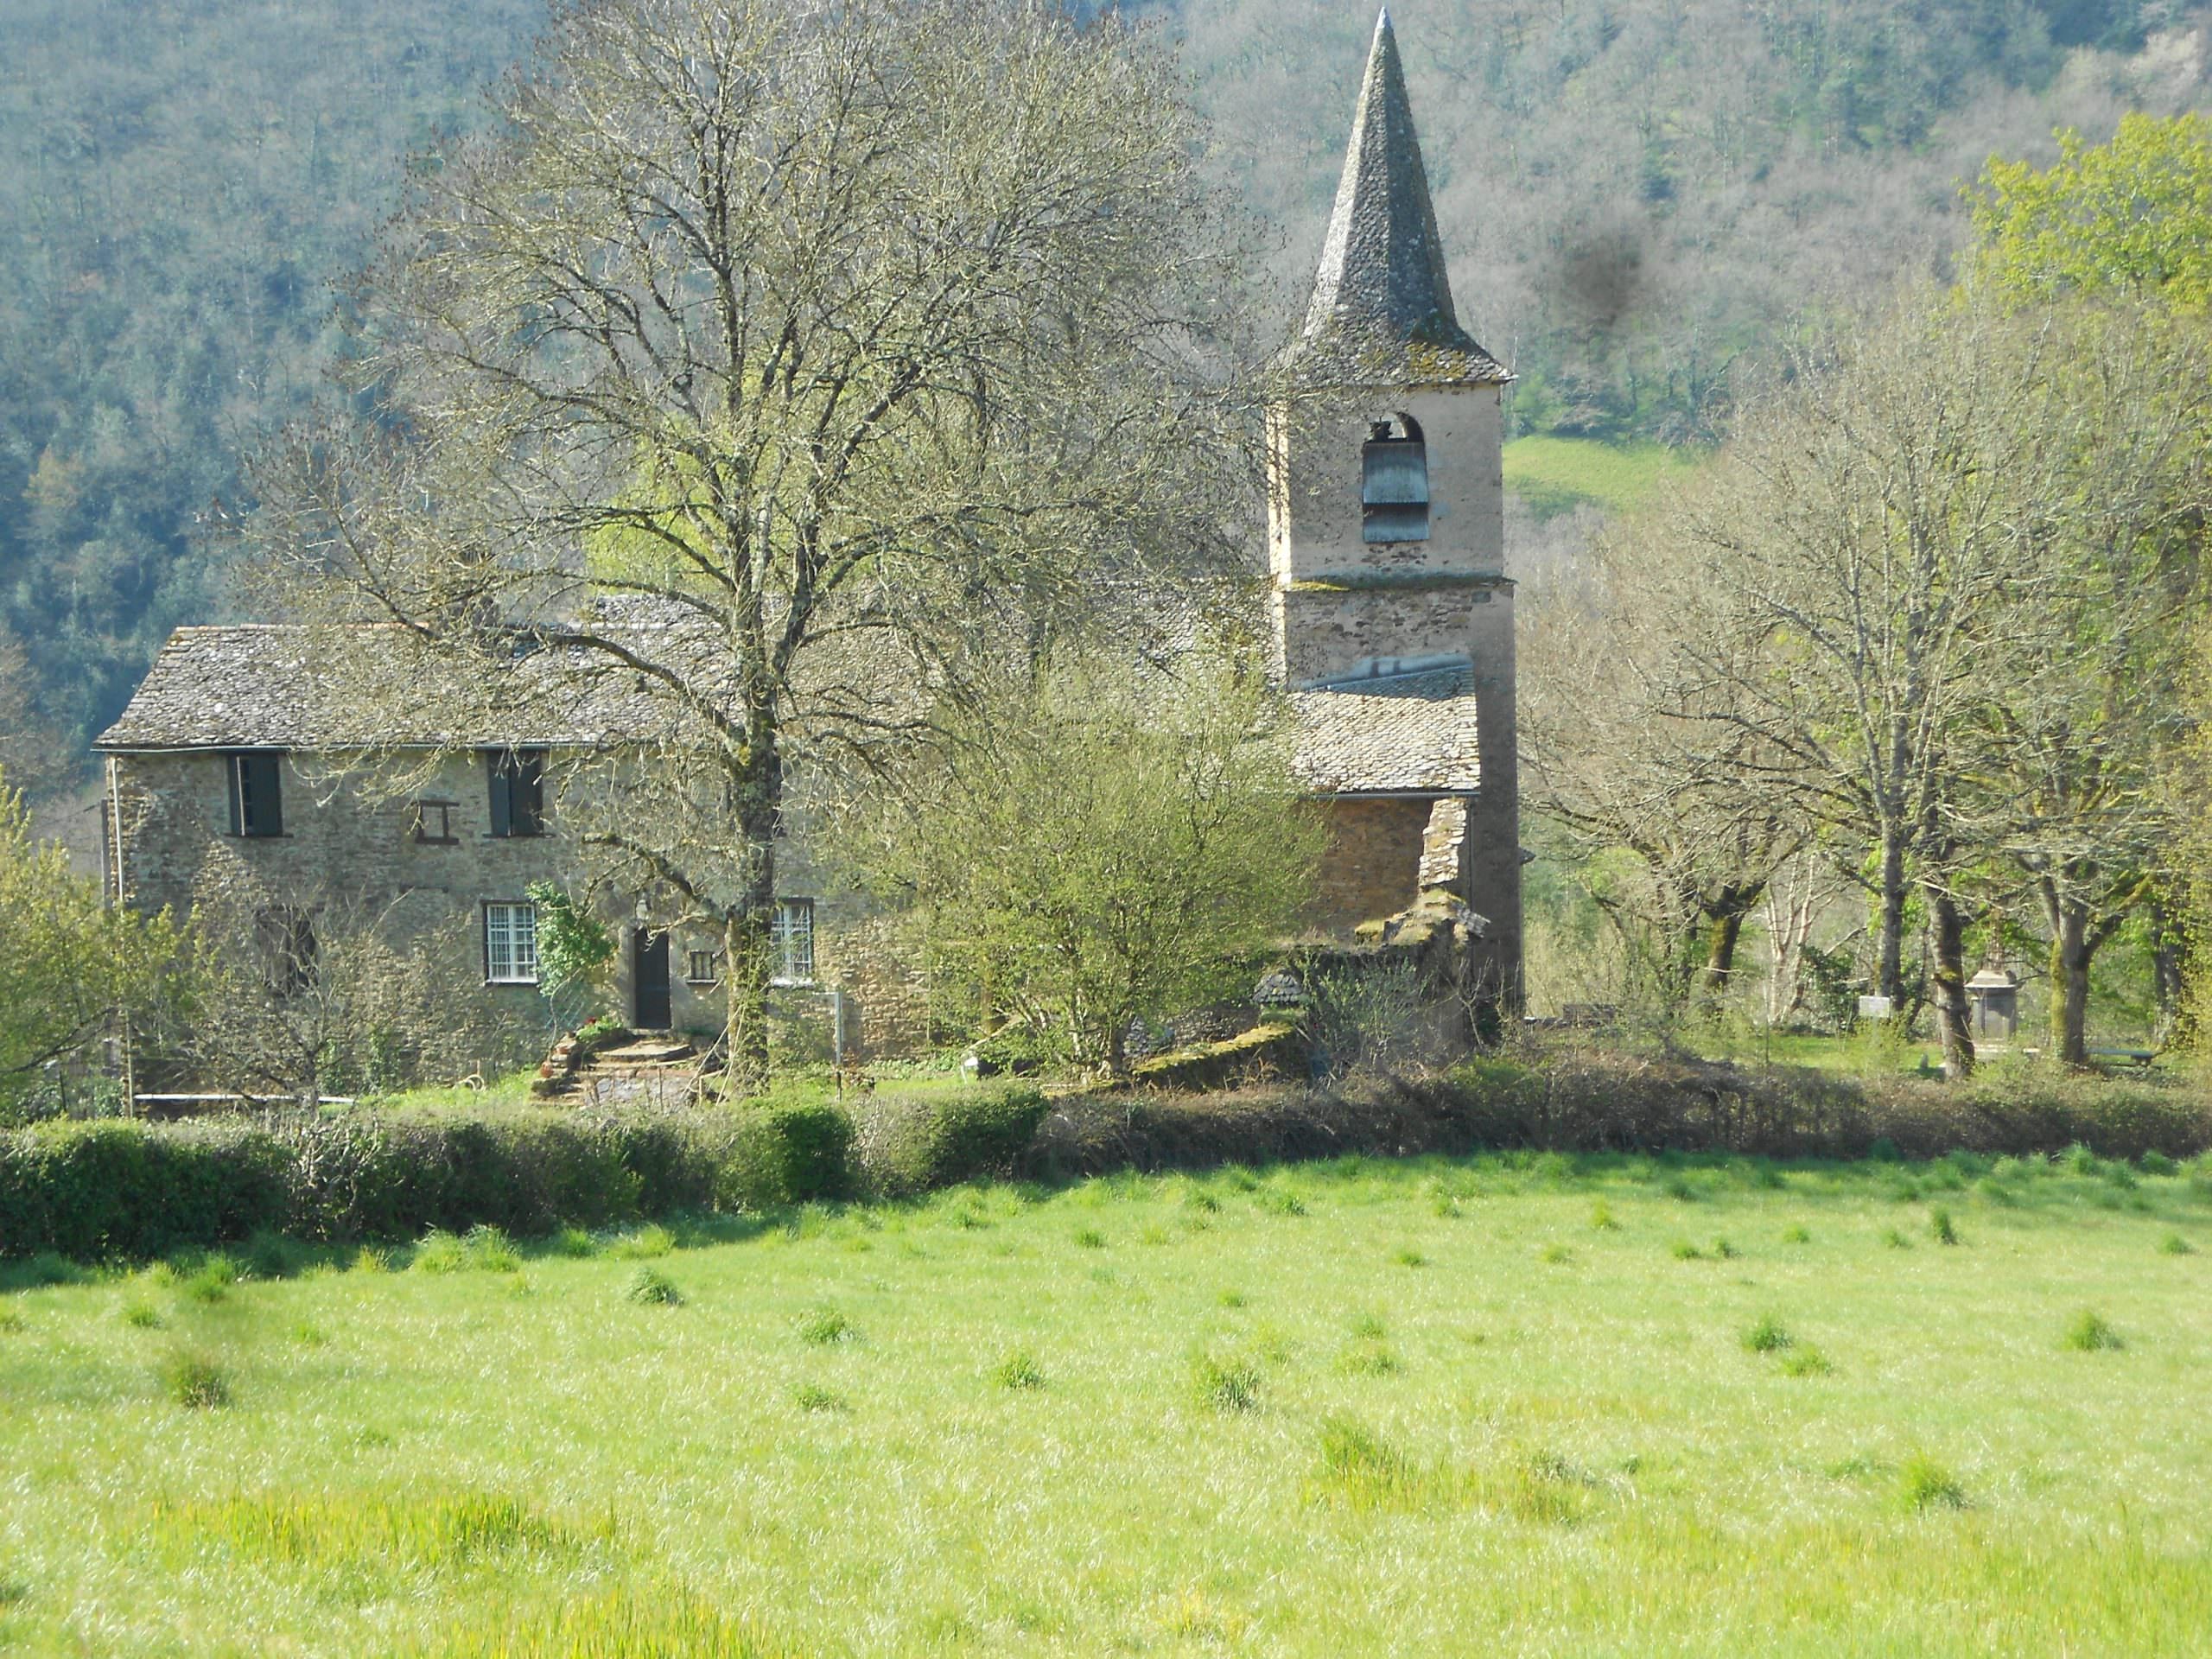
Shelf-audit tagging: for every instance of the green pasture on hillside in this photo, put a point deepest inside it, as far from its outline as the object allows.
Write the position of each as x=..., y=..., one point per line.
x=1555, y=474
x=1507, y=1405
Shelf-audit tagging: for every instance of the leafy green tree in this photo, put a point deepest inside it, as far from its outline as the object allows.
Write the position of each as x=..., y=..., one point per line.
x=72, y=968
x=1101, y=844
x=574, y=949
x=2130, y=218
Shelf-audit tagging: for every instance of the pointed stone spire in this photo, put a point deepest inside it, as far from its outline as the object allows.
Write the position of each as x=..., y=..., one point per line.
x=1381, y=312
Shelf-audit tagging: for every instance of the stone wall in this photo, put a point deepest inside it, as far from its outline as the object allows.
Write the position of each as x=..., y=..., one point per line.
x=1373, y=867
x=346, y=844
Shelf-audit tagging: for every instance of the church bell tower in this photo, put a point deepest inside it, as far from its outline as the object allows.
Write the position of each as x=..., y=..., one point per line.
x=1386, y=498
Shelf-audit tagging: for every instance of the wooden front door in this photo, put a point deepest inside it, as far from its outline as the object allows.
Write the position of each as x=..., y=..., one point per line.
x=649, y=980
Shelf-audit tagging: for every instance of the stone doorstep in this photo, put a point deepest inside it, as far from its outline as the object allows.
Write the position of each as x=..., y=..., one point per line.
x=647, y=1053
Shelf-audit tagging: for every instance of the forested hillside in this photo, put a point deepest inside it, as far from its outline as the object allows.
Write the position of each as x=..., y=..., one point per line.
x=1636, y=196
x=181, y=181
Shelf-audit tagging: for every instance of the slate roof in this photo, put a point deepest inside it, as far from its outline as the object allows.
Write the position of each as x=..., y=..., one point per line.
x=274, y=686
x=1410, y=734
x=1381, y=311
x=266, y=686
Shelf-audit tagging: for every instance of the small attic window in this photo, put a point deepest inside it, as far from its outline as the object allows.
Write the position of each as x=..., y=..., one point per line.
x=1394, y=482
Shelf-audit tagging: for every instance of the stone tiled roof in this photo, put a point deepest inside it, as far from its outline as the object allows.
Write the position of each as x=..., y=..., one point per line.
x=277, y=687
x=274, y=686
x=1410, y=734
x=1381, y=311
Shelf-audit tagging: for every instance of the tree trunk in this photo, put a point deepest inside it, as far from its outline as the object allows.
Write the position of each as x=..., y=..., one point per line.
x=1952, y=1020
x=2070, y=981
x=1889, y=971
x=2169, y=971
x=747, y=927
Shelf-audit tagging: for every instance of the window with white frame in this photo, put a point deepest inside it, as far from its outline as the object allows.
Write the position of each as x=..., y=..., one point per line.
x=791, y=940
x=510, y=944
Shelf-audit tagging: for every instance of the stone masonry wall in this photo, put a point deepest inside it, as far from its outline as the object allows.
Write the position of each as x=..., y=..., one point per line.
x=348, y=845
x=1373, y=867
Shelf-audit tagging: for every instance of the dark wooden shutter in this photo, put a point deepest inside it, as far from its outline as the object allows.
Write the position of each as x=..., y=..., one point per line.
x=527, y=809
x=503, y=816
x=258, y=791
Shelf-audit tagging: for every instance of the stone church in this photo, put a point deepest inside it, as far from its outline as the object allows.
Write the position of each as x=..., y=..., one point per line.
x=1391, y=629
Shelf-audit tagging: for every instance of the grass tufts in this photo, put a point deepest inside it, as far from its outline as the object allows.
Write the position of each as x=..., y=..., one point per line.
x=1601, y=1217
x=1225, y=1383
x=490, y=1250
x=650, y=1287
x=572, y=1241
x=1410, y=1257
x=11, y=1321
x=1896, y=1240
x=1939, y=1227
x=824, y=1326
x=2157, y=1163
x=1281, y=1201
x=2088, y=1333
x=1723, y=1251
x=1368, y=1358
x=211, y=1281
x=440, y=1252
x=194, y=1381
x=1805, y=1360
x=1232, y=1299
x=141, y=1315
x=647, y=1245
x=812, y=1396
x=369, y=1531
x=1685, y=1251
x=654, y=1619
x=1018, y=1370
x=1364, y=1471
x=1924, y=1483
x=1767, y=1336
x=2175, y=1244
x=1089, y=1238
x=1557, y=1255
x=1797, y=1235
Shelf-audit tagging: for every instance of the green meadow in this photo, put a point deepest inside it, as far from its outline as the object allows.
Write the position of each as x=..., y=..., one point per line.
x=1554, y=475
x=1510, y=1405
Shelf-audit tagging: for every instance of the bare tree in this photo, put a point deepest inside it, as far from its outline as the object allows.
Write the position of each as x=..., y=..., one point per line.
x=775, y=361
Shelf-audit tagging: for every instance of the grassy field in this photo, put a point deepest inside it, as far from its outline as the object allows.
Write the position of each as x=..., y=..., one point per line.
x=1509, y=1405
x=1553, y=475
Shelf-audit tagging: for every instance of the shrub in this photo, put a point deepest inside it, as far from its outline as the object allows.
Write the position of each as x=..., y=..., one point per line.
x=2155, y=1162
x=1924, y=1483
x=2088, y=1333
x=787, y=1152
x=650, y=1287
x=195, y=1381
x=910, y=1143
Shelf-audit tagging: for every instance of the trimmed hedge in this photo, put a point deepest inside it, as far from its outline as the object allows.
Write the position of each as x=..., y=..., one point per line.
x=1592, y=1101
x=134, y=1190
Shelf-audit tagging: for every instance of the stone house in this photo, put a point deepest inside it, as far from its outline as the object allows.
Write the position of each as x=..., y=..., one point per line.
x=234, y=769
